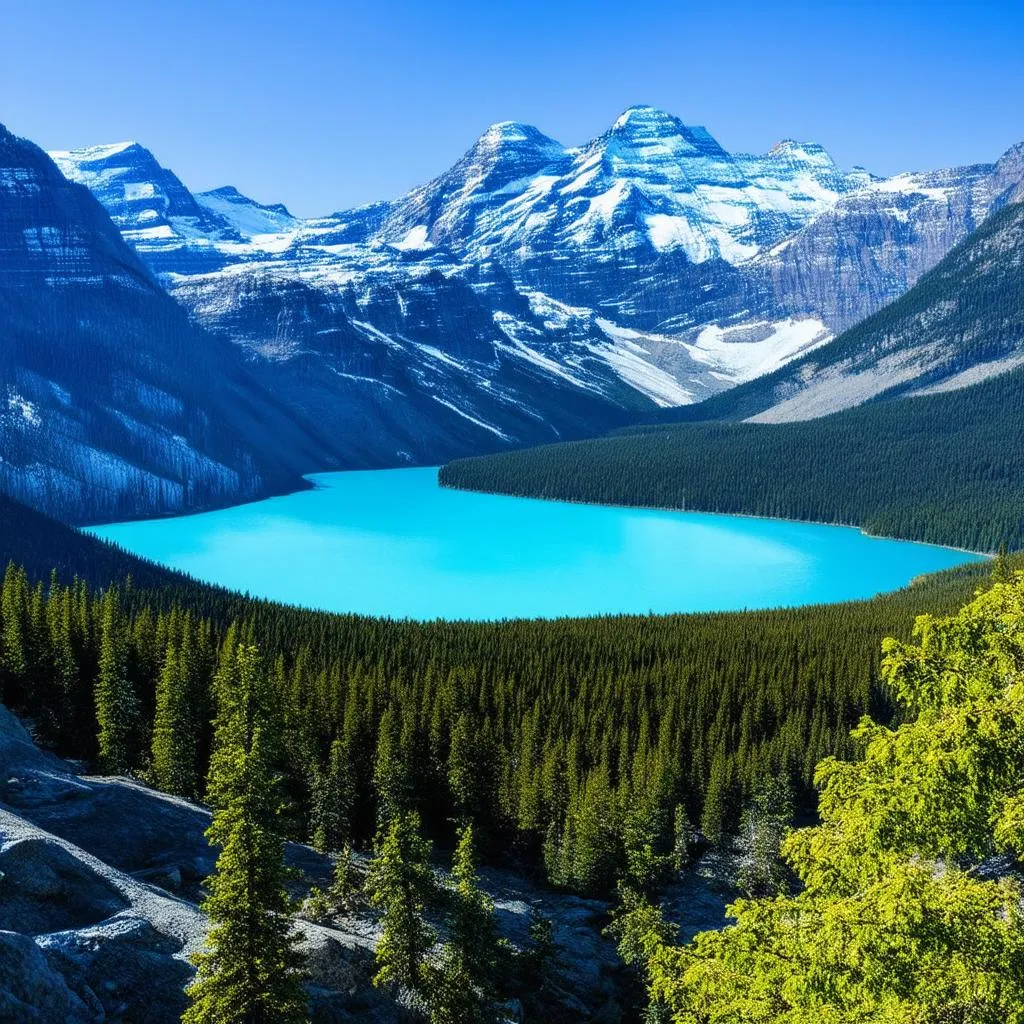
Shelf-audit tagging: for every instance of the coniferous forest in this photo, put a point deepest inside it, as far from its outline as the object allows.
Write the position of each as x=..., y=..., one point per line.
x=574, y=744
x=945, y=468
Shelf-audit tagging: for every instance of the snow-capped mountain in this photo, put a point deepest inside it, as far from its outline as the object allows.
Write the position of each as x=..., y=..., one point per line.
x=534, y=291
x=961, y=323
x=111, y=402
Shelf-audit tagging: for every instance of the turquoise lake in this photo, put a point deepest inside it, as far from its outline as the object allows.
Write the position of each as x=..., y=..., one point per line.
x=391, y=542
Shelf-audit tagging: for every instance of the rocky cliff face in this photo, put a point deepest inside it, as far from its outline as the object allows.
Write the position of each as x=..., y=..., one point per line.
x=111, y=402
x=874, y=244
x=963, y=321
x=535, y=292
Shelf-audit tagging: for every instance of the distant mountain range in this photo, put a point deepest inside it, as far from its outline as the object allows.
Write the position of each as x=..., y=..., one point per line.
x=531, y=293
x=649, y=265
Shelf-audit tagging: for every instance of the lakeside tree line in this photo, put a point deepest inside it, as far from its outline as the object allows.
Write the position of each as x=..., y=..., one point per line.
x=585, y=748
x=945, y=468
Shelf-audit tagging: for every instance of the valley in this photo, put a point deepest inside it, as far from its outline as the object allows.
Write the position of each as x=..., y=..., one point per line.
x=583, y=584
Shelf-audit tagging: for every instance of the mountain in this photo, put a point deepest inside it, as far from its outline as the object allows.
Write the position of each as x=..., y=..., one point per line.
x=962, y=322
x=534, y=292
x=650, y=265
x=940, y=464
x=407, y=354
x=112, y=403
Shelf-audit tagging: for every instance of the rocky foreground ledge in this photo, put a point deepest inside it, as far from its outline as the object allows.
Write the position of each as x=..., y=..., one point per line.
x=100, y=882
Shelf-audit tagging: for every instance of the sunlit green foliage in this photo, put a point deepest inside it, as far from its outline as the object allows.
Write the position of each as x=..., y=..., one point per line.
x=903, y=916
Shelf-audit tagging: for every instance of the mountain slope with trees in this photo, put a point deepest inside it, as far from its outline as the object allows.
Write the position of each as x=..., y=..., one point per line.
x=963, y=321
x=945, y=467
x=111, y=403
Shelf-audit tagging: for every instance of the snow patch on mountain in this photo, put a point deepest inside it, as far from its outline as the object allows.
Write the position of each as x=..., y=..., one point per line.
x=751, y=350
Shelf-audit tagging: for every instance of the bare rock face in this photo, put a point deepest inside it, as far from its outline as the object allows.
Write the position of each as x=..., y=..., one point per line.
x=876, y=243
x=111, y=402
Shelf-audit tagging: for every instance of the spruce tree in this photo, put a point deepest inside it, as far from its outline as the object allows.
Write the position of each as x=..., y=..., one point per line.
x=250, y=971
x=400, y=883
x=466, y=984
x=332, y=801
x=117, y=707
x=175, y=728
x=13, y=640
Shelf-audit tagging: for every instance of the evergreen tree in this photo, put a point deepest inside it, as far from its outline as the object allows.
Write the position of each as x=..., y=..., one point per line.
x=175, y=728
x=762, y=830
x=391, y=774
x=250, y=970
x=333, y=799
x=466, y=984
x=117, y=707
x=400, y=883
x=13, y=639
x=341, y=896
x=713, y=819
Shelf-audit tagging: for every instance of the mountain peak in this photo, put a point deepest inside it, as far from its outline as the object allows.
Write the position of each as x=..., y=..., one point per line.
x=643, y=114
x=805, y=152
x=89, y=155
x=643, y=125
x=517, y=136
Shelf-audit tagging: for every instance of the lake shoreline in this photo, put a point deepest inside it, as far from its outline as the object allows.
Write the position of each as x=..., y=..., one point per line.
x=396, y=544
x=704, y=512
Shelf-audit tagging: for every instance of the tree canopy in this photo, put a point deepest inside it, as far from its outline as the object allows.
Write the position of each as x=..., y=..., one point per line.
x=908, y=910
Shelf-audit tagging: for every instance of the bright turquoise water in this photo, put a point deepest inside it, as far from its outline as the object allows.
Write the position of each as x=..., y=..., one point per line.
x=392, y=542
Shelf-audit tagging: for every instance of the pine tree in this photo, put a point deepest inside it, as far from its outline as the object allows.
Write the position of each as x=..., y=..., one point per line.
x=175, y=728
x=400, y=883
x=467, y=977
x=13, y=641
x=250, y=970
x=391, y=778
x=762, y=829
x=713, y=817
x=333, y=798
x=117, y=706
x=341, y=896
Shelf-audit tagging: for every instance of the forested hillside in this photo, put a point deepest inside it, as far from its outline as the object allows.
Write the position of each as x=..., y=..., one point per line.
x=570, y=743
x=945, y=468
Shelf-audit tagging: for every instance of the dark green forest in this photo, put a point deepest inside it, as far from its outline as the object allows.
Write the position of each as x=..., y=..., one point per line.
x=579, y=748
x=945, y=468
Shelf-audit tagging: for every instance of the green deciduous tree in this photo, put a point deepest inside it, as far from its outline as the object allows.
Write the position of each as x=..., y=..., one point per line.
x=894, y=924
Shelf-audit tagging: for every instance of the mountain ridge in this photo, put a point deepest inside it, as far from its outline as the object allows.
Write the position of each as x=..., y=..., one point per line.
x=649, y=255
x=112, y=403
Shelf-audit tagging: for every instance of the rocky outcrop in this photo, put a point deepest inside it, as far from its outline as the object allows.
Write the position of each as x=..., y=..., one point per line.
x=100, y=880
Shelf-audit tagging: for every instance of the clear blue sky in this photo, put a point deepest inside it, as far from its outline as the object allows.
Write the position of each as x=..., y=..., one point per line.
x=325, y=105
